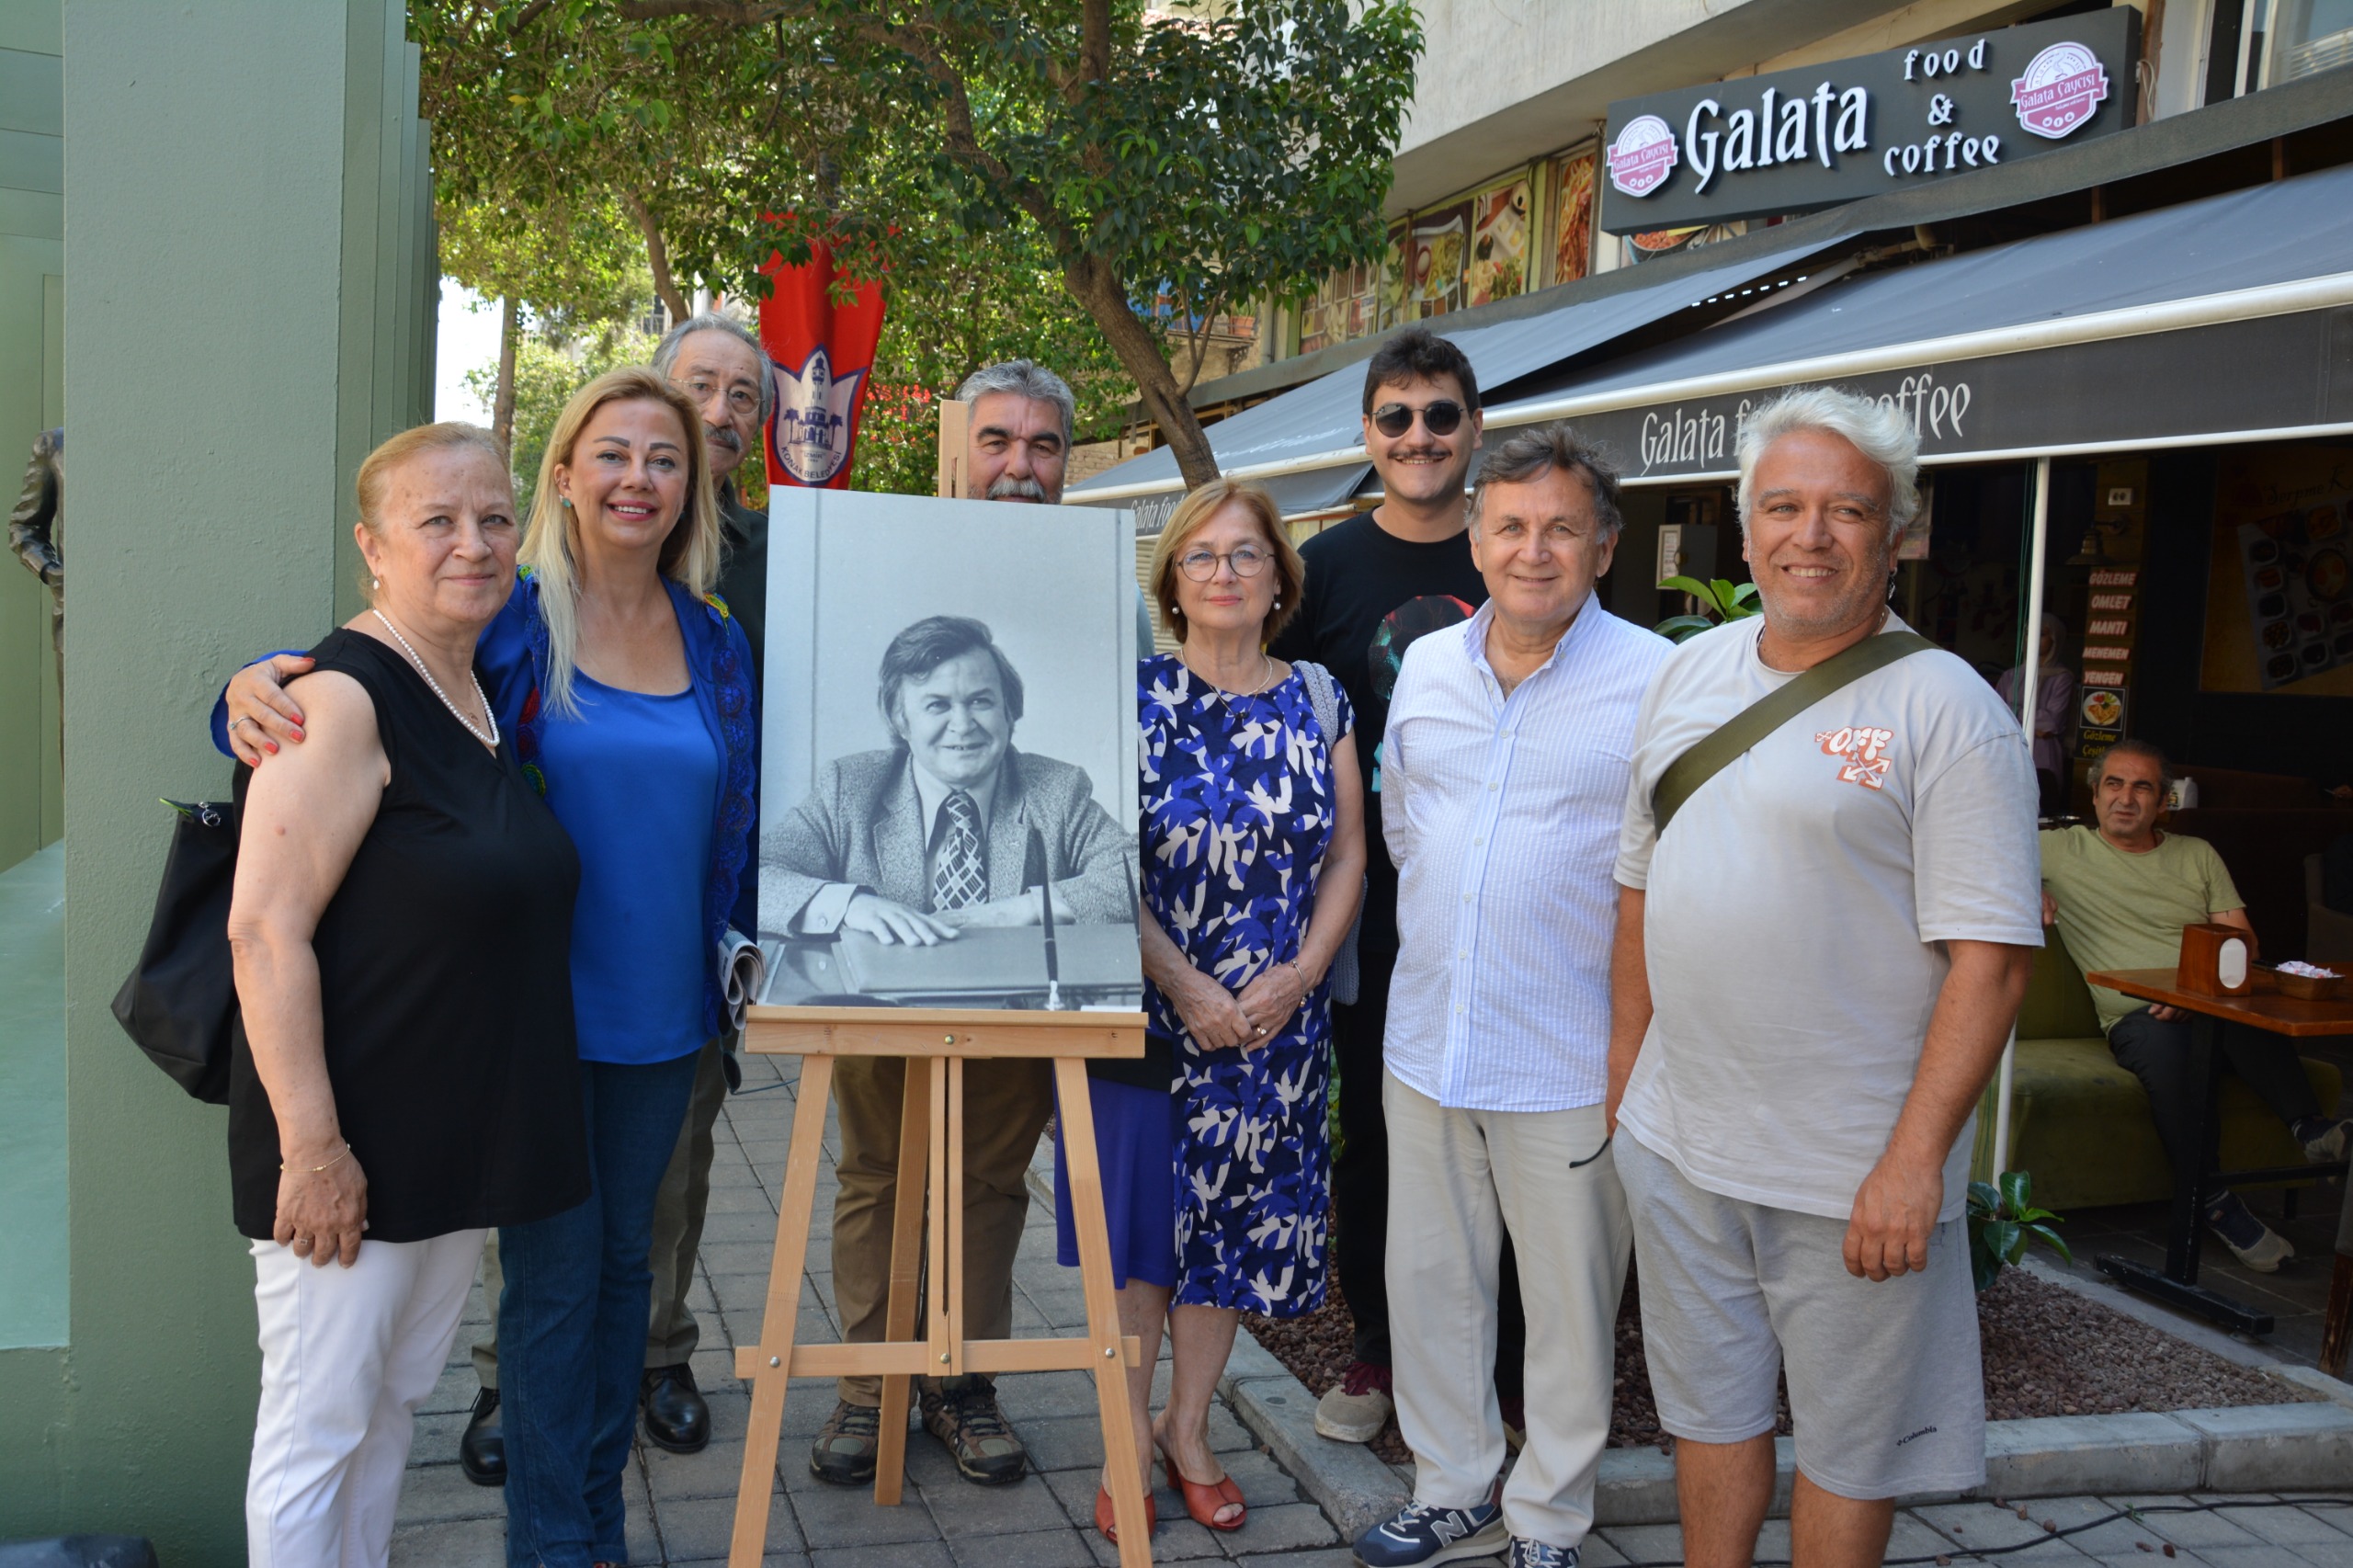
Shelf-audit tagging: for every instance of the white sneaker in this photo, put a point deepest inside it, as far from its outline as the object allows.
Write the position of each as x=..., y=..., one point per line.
x=2331, y=1146
x=2256, y=1243
x=1354, y=1409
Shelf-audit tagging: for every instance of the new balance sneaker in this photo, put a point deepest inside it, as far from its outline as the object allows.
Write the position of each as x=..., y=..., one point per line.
x=1527, y=1553
x=1357, y=1408
x=2257, y=1245
x=2330, y=1143
x=1420, y=1534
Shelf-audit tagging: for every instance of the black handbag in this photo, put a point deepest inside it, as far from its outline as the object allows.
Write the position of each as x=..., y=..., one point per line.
x=180, y=1004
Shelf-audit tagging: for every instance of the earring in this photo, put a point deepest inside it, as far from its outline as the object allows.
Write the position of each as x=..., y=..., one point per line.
x=567, y=502
x=374, y=583
x=1279, y=604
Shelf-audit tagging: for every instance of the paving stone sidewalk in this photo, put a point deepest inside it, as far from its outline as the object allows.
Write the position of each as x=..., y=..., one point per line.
x=681, y=1509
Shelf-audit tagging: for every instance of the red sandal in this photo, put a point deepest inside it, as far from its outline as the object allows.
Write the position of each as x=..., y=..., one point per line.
x=1204, y=1498
x=1108, y=1524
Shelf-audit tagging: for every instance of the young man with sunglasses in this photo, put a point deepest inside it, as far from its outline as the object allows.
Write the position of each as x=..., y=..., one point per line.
x=1374, y=584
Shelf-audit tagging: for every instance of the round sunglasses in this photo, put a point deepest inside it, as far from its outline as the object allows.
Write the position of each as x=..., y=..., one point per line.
x=1439, y=419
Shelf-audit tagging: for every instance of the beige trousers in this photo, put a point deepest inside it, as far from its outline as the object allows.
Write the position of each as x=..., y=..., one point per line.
x=1457, y=1180
x=1005, y=1106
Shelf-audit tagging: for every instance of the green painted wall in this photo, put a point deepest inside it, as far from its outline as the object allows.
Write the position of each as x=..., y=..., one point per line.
x=32, y=362
x=229, y=323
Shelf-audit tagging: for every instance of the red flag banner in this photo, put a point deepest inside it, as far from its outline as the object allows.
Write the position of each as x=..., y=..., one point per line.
x=821, y=356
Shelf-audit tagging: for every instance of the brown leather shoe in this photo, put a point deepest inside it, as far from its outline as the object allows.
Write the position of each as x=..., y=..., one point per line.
x=846, y=1444
x=962, y=1413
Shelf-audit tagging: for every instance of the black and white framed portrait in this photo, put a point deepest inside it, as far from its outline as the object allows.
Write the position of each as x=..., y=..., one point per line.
x=948, y=754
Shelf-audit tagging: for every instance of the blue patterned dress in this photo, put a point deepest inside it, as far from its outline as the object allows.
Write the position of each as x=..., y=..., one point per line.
x=1237, y=813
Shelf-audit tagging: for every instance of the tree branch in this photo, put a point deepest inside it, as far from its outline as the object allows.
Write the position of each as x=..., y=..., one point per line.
x=746, y=13
x=657, y=257
x=1093, y=48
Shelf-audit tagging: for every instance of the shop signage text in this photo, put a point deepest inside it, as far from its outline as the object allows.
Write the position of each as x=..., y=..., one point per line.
x=2269, y=372
x=1820, y=135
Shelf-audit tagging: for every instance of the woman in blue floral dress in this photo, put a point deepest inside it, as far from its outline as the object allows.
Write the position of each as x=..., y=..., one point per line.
x=1216, y=1164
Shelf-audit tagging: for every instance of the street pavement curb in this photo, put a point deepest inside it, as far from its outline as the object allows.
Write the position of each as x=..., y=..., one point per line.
x=2257, y=1448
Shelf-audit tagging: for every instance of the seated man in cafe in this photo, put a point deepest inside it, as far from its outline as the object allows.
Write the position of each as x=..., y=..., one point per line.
x=2120, y=894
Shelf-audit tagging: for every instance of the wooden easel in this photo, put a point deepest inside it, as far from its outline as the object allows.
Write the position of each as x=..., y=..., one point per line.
x=937, y=1042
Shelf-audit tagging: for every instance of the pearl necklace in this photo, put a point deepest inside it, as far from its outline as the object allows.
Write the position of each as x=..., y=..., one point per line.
x=490, y=739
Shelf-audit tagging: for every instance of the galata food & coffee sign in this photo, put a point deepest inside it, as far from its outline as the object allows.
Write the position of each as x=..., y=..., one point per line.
x=1799, y=139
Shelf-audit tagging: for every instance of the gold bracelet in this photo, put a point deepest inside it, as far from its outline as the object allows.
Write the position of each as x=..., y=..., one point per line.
x=313, y=1170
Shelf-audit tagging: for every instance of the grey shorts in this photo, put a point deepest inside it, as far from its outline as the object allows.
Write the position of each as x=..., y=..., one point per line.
x=1886, y=1391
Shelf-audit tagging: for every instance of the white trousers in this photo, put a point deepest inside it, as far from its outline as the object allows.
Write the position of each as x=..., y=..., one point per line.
x=346, y=1357
x=1456, y=1178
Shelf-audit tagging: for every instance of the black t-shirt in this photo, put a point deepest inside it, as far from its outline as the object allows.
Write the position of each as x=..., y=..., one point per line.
x=444, y=986
x=1370, y=595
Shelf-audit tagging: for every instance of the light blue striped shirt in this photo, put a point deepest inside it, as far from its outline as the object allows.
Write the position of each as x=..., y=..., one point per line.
x=1501, y=814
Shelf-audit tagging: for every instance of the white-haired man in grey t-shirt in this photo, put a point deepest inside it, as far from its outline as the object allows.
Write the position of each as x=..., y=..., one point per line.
x=1816, y=965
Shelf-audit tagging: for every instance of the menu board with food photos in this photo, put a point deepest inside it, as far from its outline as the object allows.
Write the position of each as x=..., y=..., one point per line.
x=1573, y=216
x=2280, y=601
x=1500, y=234
x=2297, y=591
x=1439, y=244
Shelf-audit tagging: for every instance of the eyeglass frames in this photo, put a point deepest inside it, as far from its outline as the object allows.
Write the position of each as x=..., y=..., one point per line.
x=1247, y=560
x=1439, y=419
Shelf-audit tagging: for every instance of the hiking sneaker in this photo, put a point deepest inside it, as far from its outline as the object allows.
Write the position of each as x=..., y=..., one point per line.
x=1354, y=1409
x=846, y=1444
x=2257, y=1245
x=962, y=1413
x=1419, y=1533
x=1527, y=1553
x=2330, y=1144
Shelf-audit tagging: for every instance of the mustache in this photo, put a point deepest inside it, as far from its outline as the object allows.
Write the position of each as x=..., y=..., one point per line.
x=722, y=436
x=1009, y=486
x=1401, y=453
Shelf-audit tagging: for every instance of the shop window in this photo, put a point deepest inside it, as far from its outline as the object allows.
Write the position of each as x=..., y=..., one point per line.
x=2254, y=44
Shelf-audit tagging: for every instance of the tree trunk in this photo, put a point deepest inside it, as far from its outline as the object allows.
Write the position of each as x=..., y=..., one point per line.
x=657, y=259
x=1095, y=285
x=502, y=407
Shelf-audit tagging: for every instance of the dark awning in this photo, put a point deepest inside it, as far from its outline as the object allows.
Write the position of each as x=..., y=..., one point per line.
x=2221, y=319
x=1296, y=496
x=1316, y=428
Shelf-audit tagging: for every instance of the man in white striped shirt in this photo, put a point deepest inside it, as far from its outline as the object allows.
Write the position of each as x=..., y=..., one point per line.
x=1504, y=774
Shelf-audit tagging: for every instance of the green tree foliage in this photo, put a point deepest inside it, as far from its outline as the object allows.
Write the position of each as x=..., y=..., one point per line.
x=965, y=303
x=546, y=375
x=1210, y=154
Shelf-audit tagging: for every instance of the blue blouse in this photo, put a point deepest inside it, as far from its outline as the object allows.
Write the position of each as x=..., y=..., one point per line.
x=635, y=776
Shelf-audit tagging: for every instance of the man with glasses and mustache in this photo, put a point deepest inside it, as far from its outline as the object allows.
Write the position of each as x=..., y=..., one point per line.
x=1374, y=584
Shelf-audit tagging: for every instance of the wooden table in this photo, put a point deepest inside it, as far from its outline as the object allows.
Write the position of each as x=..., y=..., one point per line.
x=2176, y=1283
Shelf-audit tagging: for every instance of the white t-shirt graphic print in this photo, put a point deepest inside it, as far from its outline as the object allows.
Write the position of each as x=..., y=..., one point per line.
x=1794, y=916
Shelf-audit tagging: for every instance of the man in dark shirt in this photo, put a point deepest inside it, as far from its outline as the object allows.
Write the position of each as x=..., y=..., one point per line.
x=1374, y=584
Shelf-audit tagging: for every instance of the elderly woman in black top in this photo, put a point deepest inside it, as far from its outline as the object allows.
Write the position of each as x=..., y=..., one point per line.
x=401, y=926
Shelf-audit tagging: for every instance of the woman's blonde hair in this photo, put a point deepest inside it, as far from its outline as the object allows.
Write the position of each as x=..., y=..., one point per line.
x=689, y=555
x=1191, y=515
x=376, y=471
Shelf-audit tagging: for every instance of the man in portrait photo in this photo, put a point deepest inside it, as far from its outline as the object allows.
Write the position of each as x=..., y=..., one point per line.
x=951, y=826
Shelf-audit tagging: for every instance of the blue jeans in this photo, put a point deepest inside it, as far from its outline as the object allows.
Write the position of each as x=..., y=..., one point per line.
x=572, y=1325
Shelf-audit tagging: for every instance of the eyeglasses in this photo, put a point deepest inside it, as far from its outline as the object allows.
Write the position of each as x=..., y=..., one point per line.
x=1200, y=565
x=1439, y=419
x=742, y=400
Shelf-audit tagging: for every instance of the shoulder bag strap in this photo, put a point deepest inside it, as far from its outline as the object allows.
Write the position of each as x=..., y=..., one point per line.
x=1319, y=695
x=1744, y=729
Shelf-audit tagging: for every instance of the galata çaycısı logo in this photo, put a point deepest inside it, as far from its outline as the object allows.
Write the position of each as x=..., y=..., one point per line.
x=1642, y=156
x=2060, y=89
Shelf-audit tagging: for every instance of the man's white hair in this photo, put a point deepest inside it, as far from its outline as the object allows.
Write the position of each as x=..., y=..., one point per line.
x=1874, y=429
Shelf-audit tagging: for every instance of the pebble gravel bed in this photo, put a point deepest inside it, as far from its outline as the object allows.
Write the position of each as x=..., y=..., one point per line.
x=2048, y=1351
